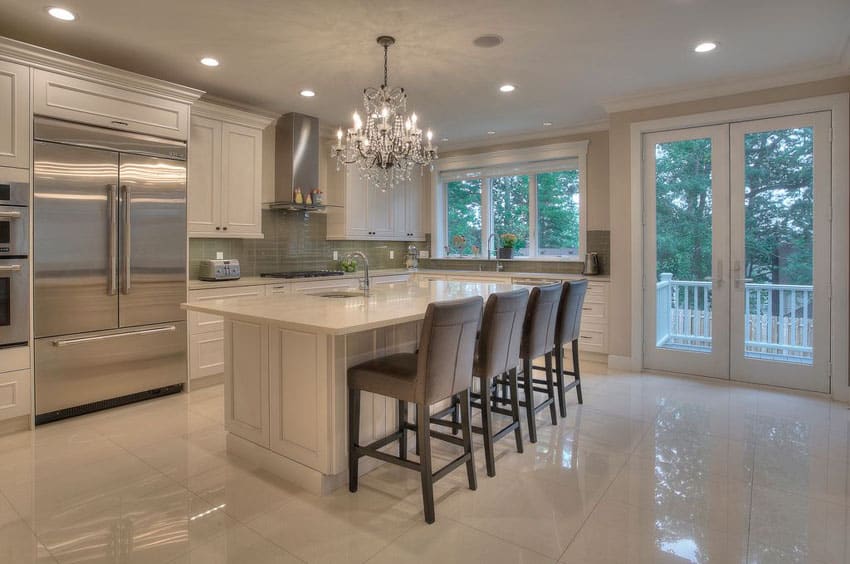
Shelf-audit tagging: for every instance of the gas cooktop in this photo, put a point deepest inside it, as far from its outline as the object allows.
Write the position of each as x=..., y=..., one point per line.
x=302, y=274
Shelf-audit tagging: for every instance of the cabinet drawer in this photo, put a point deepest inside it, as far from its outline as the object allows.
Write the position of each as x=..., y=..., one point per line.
x=594, y=312
x=15, y=399
x=205, y=322
x=278, y=289
x=79, y=100
x=206, y=354
x=14, y=358
x=593, y=340
x=597, y=292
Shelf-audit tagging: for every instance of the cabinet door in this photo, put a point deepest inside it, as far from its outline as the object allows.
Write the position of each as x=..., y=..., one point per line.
x=380, y=211
x=356, y=205
x=241, y=179
x=413, y=225
x=204, y=182
x=14, y=115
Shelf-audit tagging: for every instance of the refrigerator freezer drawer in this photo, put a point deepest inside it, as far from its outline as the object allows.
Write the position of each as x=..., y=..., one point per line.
x=76, y=370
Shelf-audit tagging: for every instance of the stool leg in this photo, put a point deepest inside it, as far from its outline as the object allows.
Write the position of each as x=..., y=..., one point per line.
x=423, y=428
x=577, y=371
x=515, y=408
x=466, y=423
x=559, y=379
x=550, y=387
x=487, y=427
x=455, y=413
x=416, y=443
x=353, y=437
x=402, y=419
x=528, y=388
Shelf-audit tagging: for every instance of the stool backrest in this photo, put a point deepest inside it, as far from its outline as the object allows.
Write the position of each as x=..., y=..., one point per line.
x=447, y=348
x=538, y=332
x=569, y=312
x=501, y=332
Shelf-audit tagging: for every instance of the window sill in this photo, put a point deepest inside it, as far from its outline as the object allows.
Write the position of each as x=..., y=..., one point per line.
x=515, y=259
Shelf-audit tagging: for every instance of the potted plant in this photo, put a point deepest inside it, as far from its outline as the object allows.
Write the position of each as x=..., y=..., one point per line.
x=509, y=241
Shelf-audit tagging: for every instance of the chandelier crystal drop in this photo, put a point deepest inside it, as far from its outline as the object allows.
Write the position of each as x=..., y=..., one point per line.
x=389, y=144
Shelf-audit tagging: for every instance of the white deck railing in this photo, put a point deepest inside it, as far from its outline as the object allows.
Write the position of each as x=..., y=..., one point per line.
x=777, y=318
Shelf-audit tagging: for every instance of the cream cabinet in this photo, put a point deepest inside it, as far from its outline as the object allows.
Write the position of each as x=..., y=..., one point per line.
x=594, y=318
x=225, y=181
x=409, y=202
x=15, y=382
x=96, y=103
x=14, y=115
x=206, y=332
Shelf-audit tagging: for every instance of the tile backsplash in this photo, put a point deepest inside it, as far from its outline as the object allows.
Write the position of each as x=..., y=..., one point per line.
x=293, y=241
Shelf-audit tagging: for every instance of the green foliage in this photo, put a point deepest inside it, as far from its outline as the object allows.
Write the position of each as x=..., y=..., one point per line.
x=778, y=207
x=464, y=212
x=509, y=205
x=558, y=212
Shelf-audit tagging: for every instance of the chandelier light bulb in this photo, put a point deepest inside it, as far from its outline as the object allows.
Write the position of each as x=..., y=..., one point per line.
x=413, y=119
x=339, y=134
x=430, y=135
x=358, y=123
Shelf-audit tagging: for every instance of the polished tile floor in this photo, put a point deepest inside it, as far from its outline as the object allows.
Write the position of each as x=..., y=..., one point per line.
x=651, y=469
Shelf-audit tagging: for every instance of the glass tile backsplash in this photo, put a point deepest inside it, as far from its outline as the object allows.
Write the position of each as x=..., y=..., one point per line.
x=293, y=241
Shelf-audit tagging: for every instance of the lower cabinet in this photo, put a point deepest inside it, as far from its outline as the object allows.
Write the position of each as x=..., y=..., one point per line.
x=246, y=409
x=15, y=382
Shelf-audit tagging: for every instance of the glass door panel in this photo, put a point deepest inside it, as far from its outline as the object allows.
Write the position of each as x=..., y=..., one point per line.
x=509, y=200
x=780, y=182
x=685, y=297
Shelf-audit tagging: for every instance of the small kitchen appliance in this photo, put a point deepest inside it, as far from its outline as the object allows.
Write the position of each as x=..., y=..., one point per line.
x=411, y=260
x=591, y=264
x=214, y=270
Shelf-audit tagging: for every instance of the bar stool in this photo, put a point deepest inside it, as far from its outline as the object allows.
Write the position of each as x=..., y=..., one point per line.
x=496, y=359
x=538, y=338
x=568, y=330
x=441, y=369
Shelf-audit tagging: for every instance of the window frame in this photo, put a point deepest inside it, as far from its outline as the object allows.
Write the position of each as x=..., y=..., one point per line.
x=531, y=162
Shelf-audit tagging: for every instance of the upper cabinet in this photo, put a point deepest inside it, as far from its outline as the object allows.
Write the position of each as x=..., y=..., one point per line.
x=369, y=212
x=96, y=103
x=14, y=115
x=225, y=172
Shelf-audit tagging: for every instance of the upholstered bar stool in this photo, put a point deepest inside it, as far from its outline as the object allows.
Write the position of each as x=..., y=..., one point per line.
x=538, y=339
x=497, y=357
x=567, y=331
x=441, y=369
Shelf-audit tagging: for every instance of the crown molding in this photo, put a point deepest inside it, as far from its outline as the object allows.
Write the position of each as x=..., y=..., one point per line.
x=727, y=87
x=53, y=61
x=237, y=105
x=547, y=134
x=217, y=108
x=548, y=152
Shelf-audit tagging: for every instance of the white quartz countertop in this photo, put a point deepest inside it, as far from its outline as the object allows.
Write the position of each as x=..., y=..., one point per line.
x=387, y=304
x=259, y=281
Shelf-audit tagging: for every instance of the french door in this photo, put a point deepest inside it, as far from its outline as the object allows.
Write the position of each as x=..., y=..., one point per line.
x=737, y=251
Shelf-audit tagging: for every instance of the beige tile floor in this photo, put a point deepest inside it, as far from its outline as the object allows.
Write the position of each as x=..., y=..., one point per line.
x=651, y=469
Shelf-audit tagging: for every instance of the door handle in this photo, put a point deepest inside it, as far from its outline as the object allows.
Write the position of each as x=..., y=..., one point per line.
x=10, y=214
x=66, y=342
x=125, y=279
x=112, y=211
x=719, y=278
x=737, y=271
x=11, y=268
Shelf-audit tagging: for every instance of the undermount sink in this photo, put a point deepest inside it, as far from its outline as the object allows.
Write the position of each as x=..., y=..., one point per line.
x=341, y=294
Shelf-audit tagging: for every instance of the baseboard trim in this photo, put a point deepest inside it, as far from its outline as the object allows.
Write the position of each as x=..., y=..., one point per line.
x=15, y=425
x=620, y=362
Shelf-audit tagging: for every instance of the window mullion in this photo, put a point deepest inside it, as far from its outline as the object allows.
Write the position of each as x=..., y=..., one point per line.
x=532, y=215
x=486, y=216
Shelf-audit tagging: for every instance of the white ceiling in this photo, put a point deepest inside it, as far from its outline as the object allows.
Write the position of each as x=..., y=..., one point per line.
x=565, y=56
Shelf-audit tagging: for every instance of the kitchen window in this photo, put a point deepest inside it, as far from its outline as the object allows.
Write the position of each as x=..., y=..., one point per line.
x=539, y=202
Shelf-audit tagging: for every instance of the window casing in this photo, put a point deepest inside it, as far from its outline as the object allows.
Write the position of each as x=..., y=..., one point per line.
x=542, y=202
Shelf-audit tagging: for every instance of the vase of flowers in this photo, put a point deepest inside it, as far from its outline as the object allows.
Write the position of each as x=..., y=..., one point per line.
x=509, y=241
x=459, y=243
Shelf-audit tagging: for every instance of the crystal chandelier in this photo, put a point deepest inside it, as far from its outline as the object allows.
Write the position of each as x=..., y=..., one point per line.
x=388, y=147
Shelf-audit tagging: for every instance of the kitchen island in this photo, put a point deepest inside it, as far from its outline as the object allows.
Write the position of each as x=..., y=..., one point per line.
x=286, y=358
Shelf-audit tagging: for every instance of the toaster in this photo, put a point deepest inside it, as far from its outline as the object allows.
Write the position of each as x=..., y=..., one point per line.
x=219, y=269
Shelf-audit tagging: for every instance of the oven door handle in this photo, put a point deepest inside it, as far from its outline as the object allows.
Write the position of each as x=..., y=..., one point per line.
x=11, y=268
x=10, y=214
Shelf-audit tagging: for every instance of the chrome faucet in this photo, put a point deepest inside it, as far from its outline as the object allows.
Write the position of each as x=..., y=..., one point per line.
x=499, y=265
x=364, y=284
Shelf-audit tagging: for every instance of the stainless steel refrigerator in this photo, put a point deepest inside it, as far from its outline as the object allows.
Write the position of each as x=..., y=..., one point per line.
x=109, y=268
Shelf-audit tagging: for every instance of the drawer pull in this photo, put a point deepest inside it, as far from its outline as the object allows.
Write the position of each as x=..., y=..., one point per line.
x=586, y=337
x=121, y=123
x=587, y=308
x=66, y=342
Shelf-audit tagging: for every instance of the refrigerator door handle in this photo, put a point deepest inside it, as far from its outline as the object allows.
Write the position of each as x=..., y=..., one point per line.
x=112, y=227
x=125, y=279
x=67, y=342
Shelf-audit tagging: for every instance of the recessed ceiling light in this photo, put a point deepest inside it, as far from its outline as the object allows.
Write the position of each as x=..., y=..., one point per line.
x=444, y=139
x=488, y=40
x=491, y=133
x=307, y=93
x=547, y=123
x=507, y=88
x=62, y=14
x=706, y=47
x=209, y=62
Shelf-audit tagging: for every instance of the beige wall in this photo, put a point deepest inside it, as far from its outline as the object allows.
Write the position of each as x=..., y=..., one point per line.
x=597, y=169
x=619, y=175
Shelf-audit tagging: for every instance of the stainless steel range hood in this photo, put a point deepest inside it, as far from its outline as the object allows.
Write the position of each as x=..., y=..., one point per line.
x=296, y=158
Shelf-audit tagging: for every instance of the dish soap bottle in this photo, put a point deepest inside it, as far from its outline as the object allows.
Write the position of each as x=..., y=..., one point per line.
x=299, y=199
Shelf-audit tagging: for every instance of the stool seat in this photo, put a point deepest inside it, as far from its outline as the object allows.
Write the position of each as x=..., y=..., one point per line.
x=392, y=376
